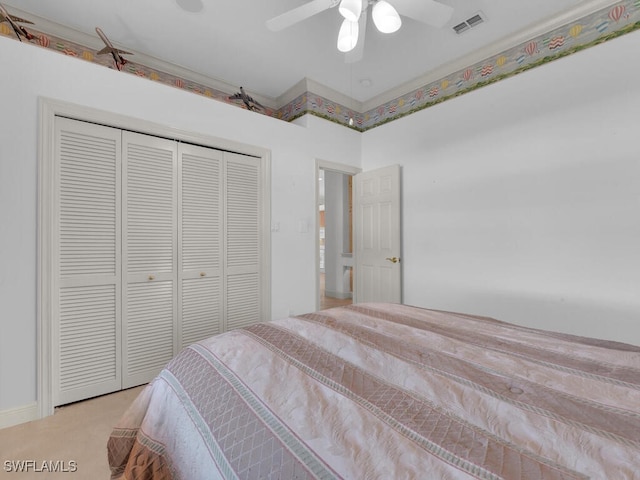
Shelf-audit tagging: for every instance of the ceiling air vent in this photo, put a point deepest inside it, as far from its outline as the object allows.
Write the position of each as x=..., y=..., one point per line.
x=473, y=21
x=461, y=27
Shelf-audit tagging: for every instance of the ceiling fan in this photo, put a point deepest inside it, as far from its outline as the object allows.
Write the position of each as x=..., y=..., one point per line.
x=386, y=18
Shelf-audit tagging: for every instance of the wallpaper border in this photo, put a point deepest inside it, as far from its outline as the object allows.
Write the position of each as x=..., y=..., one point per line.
x=601, y=26
x=606, y=24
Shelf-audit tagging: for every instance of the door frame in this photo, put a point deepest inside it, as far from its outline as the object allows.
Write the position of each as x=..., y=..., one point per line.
x=333, y=167
x=49, y=109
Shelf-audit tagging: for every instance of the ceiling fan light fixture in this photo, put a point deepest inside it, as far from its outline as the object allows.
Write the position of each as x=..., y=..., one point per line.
x=385, y=17
x=348, y=36
x=350, y=9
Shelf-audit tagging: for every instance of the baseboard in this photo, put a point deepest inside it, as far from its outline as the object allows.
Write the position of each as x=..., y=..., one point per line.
x=17, y=415
x=340, y=295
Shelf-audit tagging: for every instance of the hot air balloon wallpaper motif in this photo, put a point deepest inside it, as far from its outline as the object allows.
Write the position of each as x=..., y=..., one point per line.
x=531, y=48
x=575, y=30
x=467, y=75
x=617, y=13
x=44, y=41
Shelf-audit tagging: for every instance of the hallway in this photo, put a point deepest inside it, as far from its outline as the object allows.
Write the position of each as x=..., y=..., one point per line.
x=330, y=302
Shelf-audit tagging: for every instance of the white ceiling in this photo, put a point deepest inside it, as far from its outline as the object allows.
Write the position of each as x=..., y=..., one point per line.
x=227, y=40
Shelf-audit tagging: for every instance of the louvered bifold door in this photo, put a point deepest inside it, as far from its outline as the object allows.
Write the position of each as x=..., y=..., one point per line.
x=149, y=256
x=242, y=241
x=200, y=215
x=86, y=304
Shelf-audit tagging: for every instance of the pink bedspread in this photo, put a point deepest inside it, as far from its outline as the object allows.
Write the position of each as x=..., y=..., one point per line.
x=380, y=391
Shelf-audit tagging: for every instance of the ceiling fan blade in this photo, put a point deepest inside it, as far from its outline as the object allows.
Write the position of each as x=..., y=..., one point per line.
x=430, y=12
x=357, y=53
x=299, y=13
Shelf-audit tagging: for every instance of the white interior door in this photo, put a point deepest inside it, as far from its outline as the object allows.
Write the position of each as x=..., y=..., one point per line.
x=200, y=243
x=242, y=240
x=378, y=240
x=149, y=328
x=86, y=304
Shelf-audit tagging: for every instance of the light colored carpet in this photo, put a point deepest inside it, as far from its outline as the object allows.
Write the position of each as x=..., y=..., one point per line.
x=76, y=432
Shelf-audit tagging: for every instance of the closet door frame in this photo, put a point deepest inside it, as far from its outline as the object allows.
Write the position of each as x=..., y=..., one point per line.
x=49, y=109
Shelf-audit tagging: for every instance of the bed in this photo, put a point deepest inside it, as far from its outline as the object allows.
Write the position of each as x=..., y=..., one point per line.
x=387, y=391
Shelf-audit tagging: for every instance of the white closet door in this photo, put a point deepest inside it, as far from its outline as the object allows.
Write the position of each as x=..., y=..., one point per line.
x=86, y=307
x=242, y=240
x=149, y=256
x=200, y=248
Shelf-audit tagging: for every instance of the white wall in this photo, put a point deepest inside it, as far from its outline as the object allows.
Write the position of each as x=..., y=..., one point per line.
x=522, y=199
x=29, y=72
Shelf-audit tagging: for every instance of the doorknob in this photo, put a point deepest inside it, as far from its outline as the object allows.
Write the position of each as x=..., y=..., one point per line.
x=393, y=259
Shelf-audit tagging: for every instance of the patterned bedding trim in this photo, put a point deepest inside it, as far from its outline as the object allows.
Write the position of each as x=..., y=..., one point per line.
x=208, y=379
x=138, y=456
x=593, y=342
x=440, y=433
x=615, y=374
x=613, y=423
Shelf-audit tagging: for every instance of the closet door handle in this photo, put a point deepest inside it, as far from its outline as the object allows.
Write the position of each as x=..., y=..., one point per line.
x=203, y=274
x=152, y=277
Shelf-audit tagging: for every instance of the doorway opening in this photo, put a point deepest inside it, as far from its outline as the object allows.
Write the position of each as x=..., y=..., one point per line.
x=335, y=239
